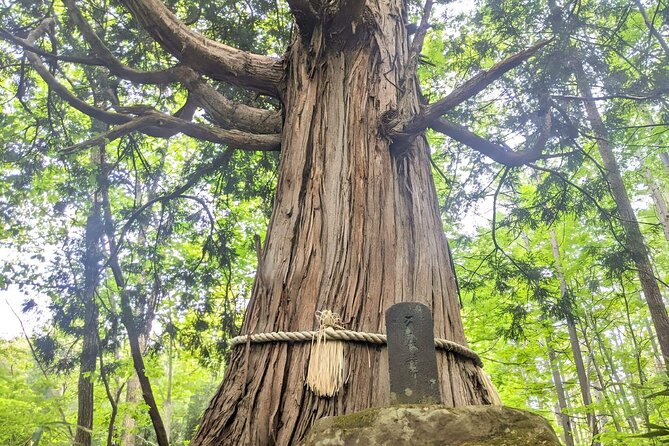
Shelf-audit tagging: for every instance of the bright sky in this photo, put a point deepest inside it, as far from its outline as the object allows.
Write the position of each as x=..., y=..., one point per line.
x=9, y=324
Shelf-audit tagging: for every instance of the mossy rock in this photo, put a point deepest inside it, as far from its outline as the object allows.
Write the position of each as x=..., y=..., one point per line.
x=433, y=425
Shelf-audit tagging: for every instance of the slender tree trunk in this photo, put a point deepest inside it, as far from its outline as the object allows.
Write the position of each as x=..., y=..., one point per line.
x=634, y=240
x=89, y=352
x=633, y=336
x=602, y=385
x=167, y=406
x=620, y=342
x=630, y=415
x=660, y=204
x=660, y=39
x=133, y=396
x=583, y=379
x=146, y=316
x=653, y=344
x=665, y=159
x=127, y=316
x=565, y=420
x=355, y=228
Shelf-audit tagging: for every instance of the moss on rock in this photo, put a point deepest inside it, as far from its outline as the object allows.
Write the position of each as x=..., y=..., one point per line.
x=434, y=425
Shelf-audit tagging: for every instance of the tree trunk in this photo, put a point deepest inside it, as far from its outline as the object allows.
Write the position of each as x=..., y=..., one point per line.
x=565, y=421
x=653, y=345
x=133, y=396
x=660, y=204
x=634, y=240
x=665, y=159
x=613, y=373
x=583, y=379
x=127, y=316
x=89, y=350
x=167, y=405
x=654, y=32
x=355, y=229
x=611, y=408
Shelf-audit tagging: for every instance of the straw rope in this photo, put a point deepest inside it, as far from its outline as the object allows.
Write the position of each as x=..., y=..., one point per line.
x=331, y=333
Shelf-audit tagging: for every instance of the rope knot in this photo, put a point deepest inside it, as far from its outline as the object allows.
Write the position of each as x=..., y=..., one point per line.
x=328, y=319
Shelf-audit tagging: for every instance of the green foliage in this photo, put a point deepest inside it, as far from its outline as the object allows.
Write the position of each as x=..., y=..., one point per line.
x=189, y=258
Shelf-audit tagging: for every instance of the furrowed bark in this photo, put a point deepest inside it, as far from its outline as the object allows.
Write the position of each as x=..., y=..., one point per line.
x=219, y=61
x=306, y=15
x=355, y=228
x=336, y=17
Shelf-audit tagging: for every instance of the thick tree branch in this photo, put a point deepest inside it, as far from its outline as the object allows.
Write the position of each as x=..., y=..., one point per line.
x=219, y=61
x=150, y=121
x=154, y=120
x=495, y=151
x=470, y=88
x=230, y=114
x=108, y=59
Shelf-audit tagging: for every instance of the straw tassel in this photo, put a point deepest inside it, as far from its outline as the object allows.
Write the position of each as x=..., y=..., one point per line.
x=325, y=375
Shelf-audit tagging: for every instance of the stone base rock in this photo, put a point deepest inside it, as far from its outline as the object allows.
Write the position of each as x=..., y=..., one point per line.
x=433, y=425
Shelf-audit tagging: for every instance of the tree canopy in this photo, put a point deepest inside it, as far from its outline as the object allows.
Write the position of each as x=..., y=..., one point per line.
x=141, y=150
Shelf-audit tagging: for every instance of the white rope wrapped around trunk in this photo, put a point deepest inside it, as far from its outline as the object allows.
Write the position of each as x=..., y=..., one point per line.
x=325, y=375
x=349, y=336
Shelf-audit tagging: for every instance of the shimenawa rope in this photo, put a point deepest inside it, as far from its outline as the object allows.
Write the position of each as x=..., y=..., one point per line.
x=325, y=374
x=349, y=336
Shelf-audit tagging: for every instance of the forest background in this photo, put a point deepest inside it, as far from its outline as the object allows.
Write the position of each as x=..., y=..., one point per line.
x=548, y=279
